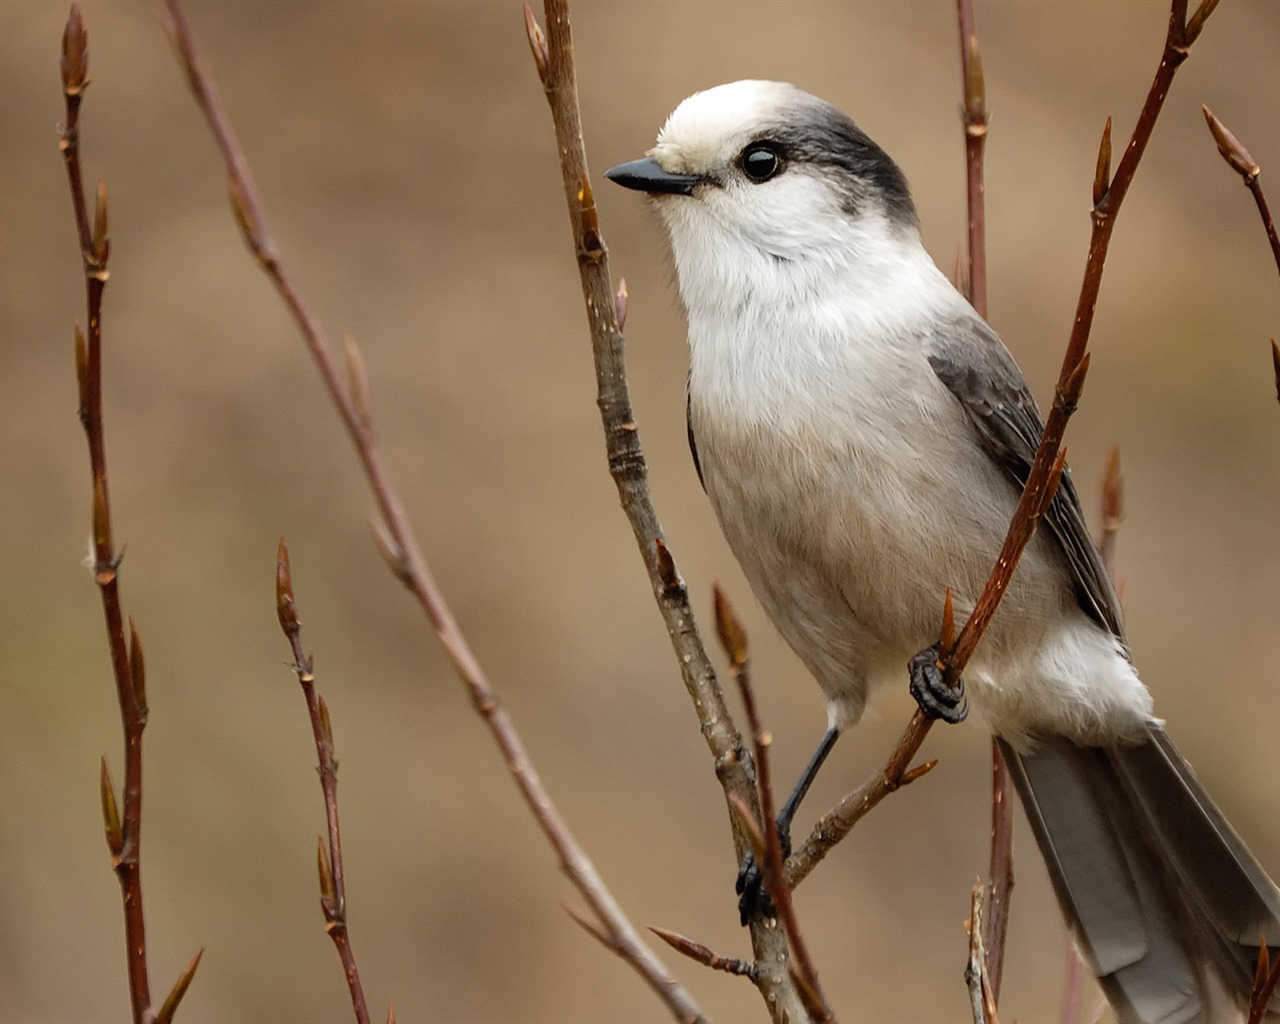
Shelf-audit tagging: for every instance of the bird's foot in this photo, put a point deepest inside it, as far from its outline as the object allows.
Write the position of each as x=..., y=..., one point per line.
x=929, y=688
x=750, y=887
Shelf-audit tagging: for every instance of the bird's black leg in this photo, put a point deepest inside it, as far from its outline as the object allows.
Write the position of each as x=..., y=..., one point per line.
x=750, y=882
x=929, y=688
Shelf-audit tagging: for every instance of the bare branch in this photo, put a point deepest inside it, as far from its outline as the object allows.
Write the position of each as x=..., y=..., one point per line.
x=1243, y=164
x=333, y=892
x=697, y=951
x=400, y=541
x=982, y=1001
x=974, y=116
x=553, y=57
x=123, y=828
x=733, y=637
x=1046, y=470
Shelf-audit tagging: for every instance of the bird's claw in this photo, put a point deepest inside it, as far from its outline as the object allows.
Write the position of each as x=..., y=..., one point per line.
x=929, y=688
x=750, y=887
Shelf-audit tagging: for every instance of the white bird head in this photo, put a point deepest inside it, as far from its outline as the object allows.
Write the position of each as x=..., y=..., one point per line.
x=760, y=178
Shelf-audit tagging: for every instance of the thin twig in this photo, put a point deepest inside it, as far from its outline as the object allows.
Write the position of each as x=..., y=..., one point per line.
x=698, y=952
x=974, y=117
x=333, y=888
x=606, y=307
x=733, y=637
x=982, y=1003
x=1234, y=153
x=124, y=831
x=1047, y=468
x=410, y=566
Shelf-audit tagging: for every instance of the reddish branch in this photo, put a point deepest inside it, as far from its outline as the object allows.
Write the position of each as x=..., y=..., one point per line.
x=701, y=954
x=1243, y=164
x=733, y=637
x=123, y=828
x=1108, y=194
x=333, y=889
x=995, y=922
x=1234, y=153
x=982, y=995
x=400, y=544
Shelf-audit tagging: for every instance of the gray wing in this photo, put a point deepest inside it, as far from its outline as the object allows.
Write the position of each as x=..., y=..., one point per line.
x=975, y=366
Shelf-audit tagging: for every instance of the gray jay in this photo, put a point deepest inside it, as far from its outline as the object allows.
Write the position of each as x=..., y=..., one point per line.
x=863, y=436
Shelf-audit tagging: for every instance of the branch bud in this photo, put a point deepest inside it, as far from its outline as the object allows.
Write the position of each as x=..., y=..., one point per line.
x=733, y=638
x=101, y=531
x=101, y=245
x=592, y=245
x=975, y=90
x=1230, y=147
x=137, y=669
x=947, y=637
x=620, y=304
x=328, y=894
x=75, y=54
x=1196, y=23
x=1068, y=396
x=537, y=43
x=1102, y=173
x=110, y=813
x=361, y=393
x=82, y=371
x=666, y=565
x=286, y=610
x=170, y=1005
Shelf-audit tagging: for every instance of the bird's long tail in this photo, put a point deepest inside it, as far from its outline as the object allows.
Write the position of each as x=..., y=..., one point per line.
x=1165, y=900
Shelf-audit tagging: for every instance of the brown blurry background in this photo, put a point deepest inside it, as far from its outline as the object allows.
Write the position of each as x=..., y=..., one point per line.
x=405, y=156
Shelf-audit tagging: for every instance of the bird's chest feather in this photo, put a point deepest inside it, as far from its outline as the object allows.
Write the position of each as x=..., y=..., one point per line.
x=826, y=459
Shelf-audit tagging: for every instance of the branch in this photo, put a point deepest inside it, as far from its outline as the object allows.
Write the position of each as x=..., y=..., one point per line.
x=974, y=116
x=733, y=637
x=333, y=890
x=1243, y=164
x=1047, y=468
x=606, y=313
x=123, y=831
x=401, y=544
x=1234, y=153
x=698, y=952
x=982, y=997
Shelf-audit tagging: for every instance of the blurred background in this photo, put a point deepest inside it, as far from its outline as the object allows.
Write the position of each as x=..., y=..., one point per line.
x=405, y=155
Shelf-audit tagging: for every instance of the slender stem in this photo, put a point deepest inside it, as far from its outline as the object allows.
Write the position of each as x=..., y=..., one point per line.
x=333, y=890
x=94, y=252
x=995, y=921
x=1046, y=470
x=553, y=57
x=403, y=549
x=733, y=638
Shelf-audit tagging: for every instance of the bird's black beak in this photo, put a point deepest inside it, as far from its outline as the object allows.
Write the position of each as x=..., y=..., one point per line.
x=647, y=175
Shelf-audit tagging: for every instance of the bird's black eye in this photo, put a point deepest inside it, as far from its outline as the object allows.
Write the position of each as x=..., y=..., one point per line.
x=761, y=162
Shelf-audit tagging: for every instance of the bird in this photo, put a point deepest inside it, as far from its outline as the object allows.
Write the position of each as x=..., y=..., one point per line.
x=863, y=436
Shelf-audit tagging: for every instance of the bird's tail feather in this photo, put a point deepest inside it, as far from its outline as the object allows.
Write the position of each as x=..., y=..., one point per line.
x=1165, y=900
